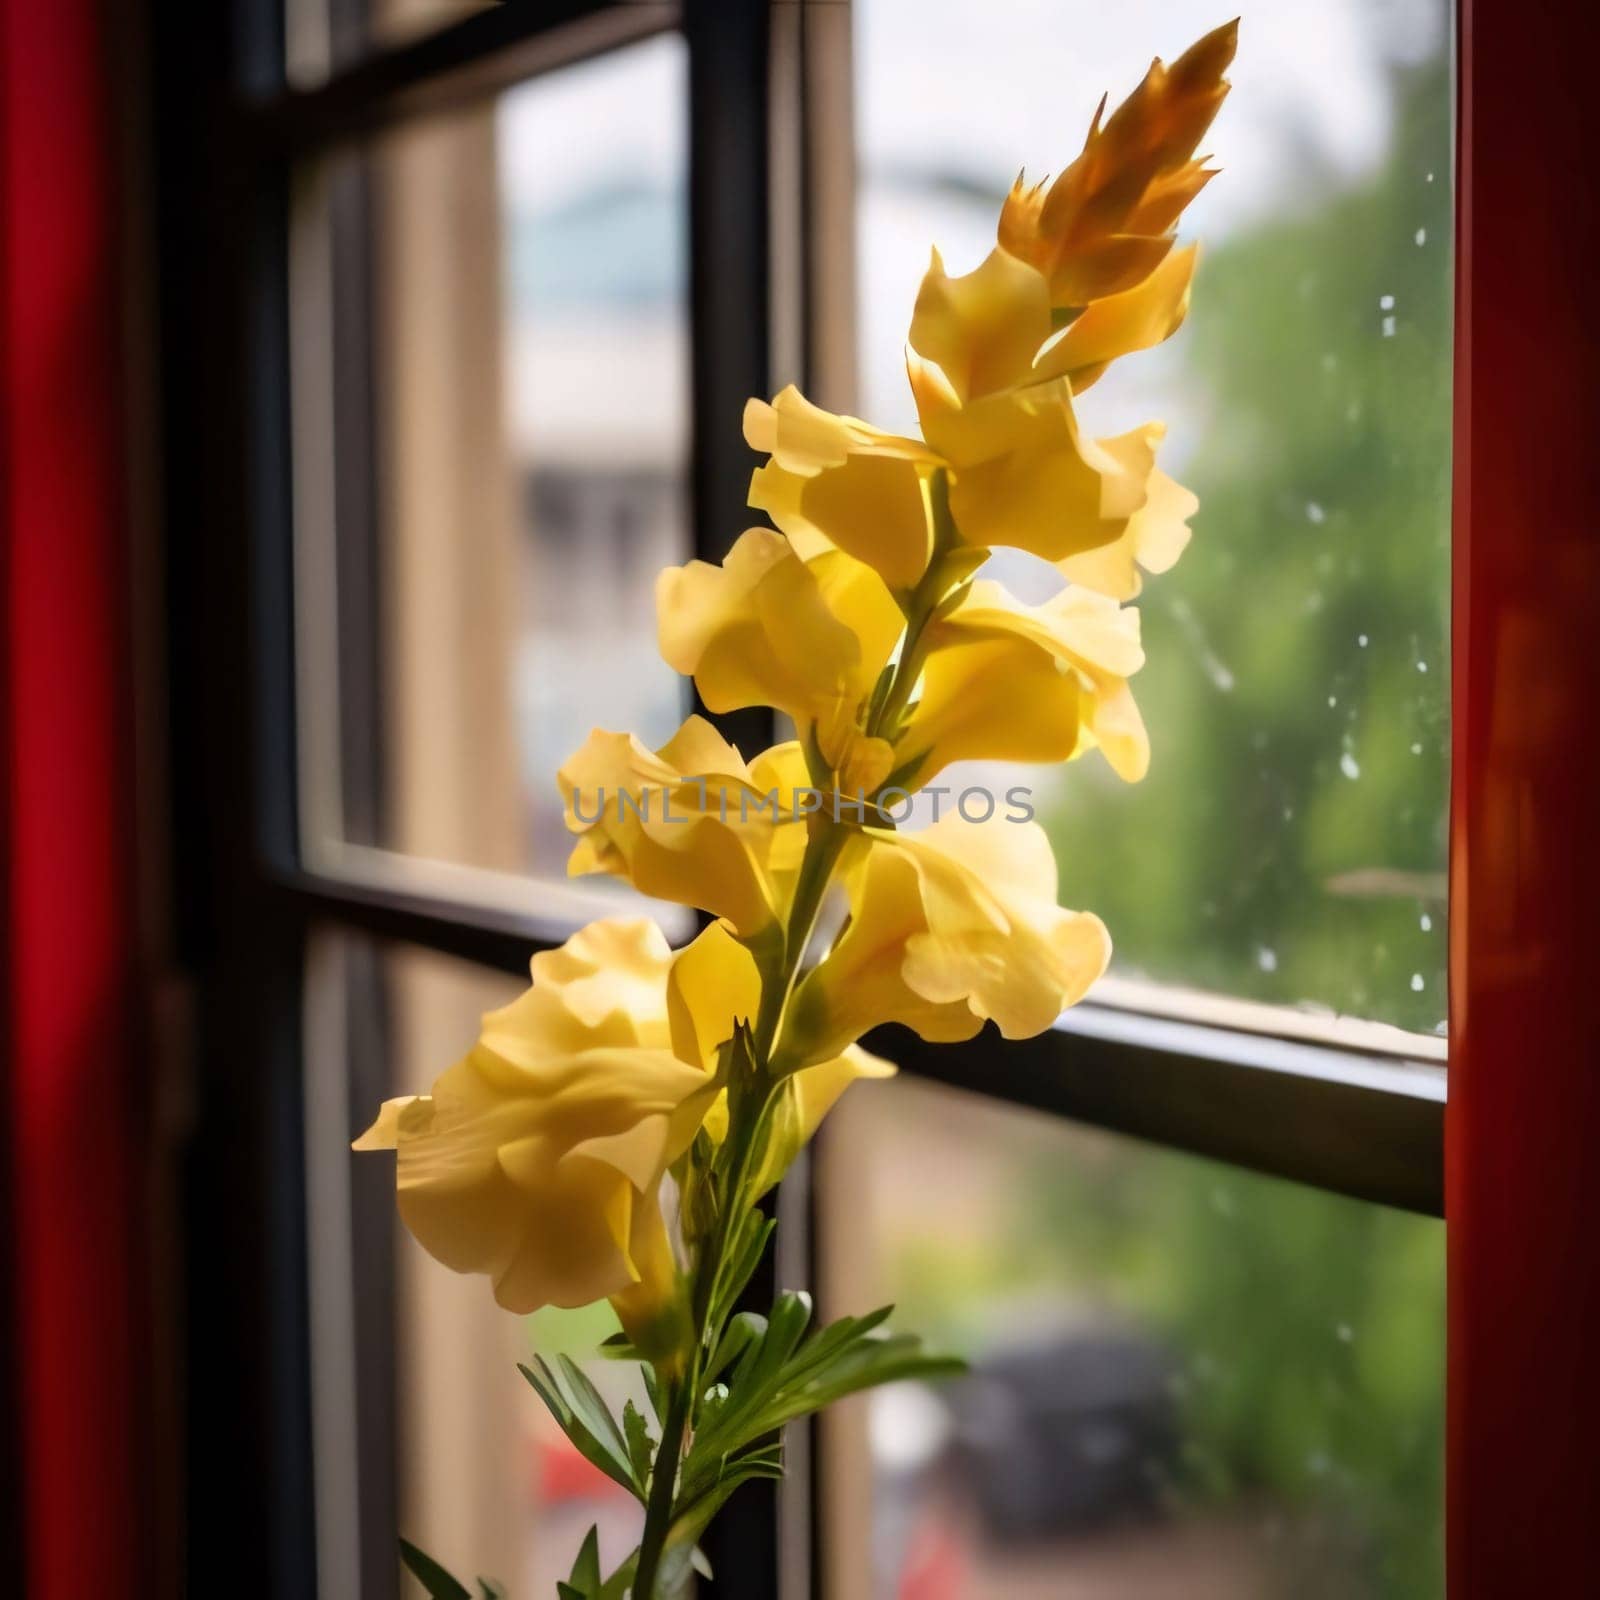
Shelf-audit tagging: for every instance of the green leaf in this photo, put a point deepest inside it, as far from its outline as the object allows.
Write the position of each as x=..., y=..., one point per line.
x=780, y=1375
x=606, y=1449
x=439, y=1584
x=744, y=1330
x=617, y=1585
x=641, y=1447
x=491, y=1589
x=591, y=1407
x=619, y=1348
x=585, y=1574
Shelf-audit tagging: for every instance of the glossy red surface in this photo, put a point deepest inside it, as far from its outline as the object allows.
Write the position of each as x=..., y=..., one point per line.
x=1523, y=1178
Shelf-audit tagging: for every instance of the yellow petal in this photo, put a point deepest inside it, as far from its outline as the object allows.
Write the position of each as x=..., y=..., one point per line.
x=1155, y=535
x=654, y=1308
x=1009, y=682
x=686, y=823
x=714, y=983
x=1136, y=319
x=805, y=1099
x=835, y=482
x=950, y=927
x=1048, y=490
x=984, y=329
x=766, y=628
x=1020, y=968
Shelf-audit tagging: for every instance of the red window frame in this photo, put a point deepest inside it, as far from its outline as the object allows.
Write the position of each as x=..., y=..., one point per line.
x=1522, y=1181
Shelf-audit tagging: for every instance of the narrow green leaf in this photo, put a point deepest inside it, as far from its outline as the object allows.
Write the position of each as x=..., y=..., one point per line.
x=611, y=1458
x=491, y=1589
x=590, y=1405
x=439, y=1584
x=744, y=1329
x=617, y=1585
x=619, y=1348
x=585, y=1574
x=641, y=1447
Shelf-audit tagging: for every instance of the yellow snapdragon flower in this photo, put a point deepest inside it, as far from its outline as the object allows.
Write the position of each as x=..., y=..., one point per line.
x=949, y=928
x=809, y=638
x=1002, y=681
x=690, y=823
x=537, y=1158
x=1009, y=682
x=836, y=482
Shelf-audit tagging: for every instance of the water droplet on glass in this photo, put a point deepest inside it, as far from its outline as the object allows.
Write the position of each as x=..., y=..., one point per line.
x=1416, y=749
x=1386, y=302
x=1345, y=1333
x=1349, y=766
x=1430, y=177
x=1361, y=639
x=1315, y=513
x=1416, y=983
x=1267, y=959
x=1388, y=327
x=1421, y=236
x=1422, y=666
x=1333, y=700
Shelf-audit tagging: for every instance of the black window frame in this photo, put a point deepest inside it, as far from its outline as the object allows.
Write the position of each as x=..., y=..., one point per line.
x=1358, y=1121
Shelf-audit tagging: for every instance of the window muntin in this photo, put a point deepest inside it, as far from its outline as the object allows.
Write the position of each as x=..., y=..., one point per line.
x=1187, y=1380
x=1289, y=842
x=322, y=37
x=491, y=412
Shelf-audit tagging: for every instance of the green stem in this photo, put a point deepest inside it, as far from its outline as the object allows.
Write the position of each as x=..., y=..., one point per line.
x=663, y=1483
x=747, y=1111
x=930, y=590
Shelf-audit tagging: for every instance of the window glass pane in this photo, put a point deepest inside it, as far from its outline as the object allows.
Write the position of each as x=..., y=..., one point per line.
x=1289, y=842
x=422, y=1424
x=1187, y=1381
x=491, y=378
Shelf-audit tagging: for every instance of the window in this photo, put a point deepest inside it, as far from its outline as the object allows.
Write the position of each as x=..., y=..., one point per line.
x=476, y=376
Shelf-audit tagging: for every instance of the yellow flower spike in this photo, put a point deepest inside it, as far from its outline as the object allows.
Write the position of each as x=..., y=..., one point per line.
x=1105, y=224
x=690, y=823
x=836, y=482
x=948, y=928
x=537, y=1158
x=1156, y=534
x=1009, y=682
x=766, y=628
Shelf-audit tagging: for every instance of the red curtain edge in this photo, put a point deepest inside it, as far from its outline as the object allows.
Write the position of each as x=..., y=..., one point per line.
x=69, y=1006
x=1522, y=1177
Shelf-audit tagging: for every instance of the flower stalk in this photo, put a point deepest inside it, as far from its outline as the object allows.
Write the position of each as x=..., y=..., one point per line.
x=630, y=1076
